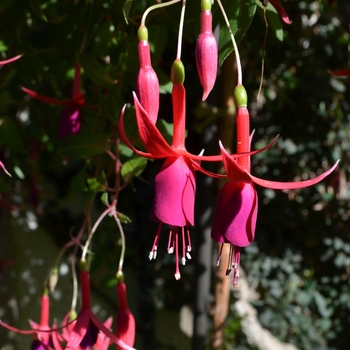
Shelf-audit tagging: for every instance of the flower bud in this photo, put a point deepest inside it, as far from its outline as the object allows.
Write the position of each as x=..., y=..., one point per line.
x=206, y=54
x=147, y=85
x=125, y=319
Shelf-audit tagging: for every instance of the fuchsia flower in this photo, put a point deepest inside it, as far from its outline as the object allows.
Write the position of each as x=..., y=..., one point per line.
x=147, y=85
x=86, y=329
x=206, y=51
x=42, y=331
x=175, y=186
x=237, y=207
x=70, y=122
x=125, y=319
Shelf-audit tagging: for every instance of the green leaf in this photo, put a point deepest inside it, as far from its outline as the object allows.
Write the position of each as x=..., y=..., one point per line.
x=166, y=129
x=124, y=219
x=157, y=37
x=78, y=182
x=273, y=20
x=104, y=198
x=95, y=71
x=83, y=145
x=240, y=14
x=126, y=9
x=36, y=7
x=97, y=184
x=133, y=167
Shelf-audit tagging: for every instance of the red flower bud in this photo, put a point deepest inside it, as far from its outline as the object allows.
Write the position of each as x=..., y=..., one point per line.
x=125, y=319
x=147, y=85
x=206, y=54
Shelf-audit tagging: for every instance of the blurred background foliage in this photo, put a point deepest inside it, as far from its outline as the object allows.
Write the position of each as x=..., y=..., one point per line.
x=299, y=263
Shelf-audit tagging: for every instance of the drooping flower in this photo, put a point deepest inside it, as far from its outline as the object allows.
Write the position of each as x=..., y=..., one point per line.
x=86, y=329
x=236, y=211
x=70, y=122
x=125, y=319
x=175, y=185
x=206, y=51
x=42, y=331
x=147, y=85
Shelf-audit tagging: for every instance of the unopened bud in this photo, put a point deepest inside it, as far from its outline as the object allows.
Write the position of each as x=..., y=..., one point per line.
x=206, y=54
x=147, y=84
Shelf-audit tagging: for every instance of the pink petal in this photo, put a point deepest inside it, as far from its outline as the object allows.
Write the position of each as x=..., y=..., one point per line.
x=234, y=155
x=235, y=214
x=292, y=185
x=11, y=59
x=70, y=122
x=150, y=135
x=281, y=11
x=108, y=333
x=79, y=330
x=125, y=138
x=174, y=189
x=233, y=170
x=43, y=98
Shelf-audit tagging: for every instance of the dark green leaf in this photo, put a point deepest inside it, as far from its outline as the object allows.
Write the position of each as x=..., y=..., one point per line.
x=83, y=145
x=10, y=136
x=95, y=71
x=240, y=14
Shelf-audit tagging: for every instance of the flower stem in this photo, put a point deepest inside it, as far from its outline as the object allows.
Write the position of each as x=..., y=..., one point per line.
x=122, y=236
x=238, y=60
x=181, y=27
x=157, y=6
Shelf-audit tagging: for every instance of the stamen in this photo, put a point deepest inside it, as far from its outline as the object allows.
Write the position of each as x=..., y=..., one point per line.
x=189, y=244
x=229, y=261
x=177, y=269
x=220, y=255
x=236, y=257
x=171, y=241
x=183, y=259
x=188, y=256
x=153, y=252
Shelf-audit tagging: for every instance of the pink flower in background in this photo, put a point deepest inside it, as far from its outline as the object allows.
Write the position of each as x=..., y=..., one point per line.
x=70, y=122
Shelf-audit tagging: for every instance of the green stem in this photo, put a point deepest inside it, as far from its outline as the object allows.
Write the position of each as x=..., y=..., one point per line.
x=157, y=6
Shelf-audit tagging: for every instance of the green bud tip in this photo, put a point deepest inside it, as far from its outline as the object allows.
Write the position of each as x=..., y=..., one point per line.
x=240, y=96
x=83, y=265
x=206, y=5
x=120, y=276
x=142, y=33
x=73, y=315
x=177, y=74
x=45, y=291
